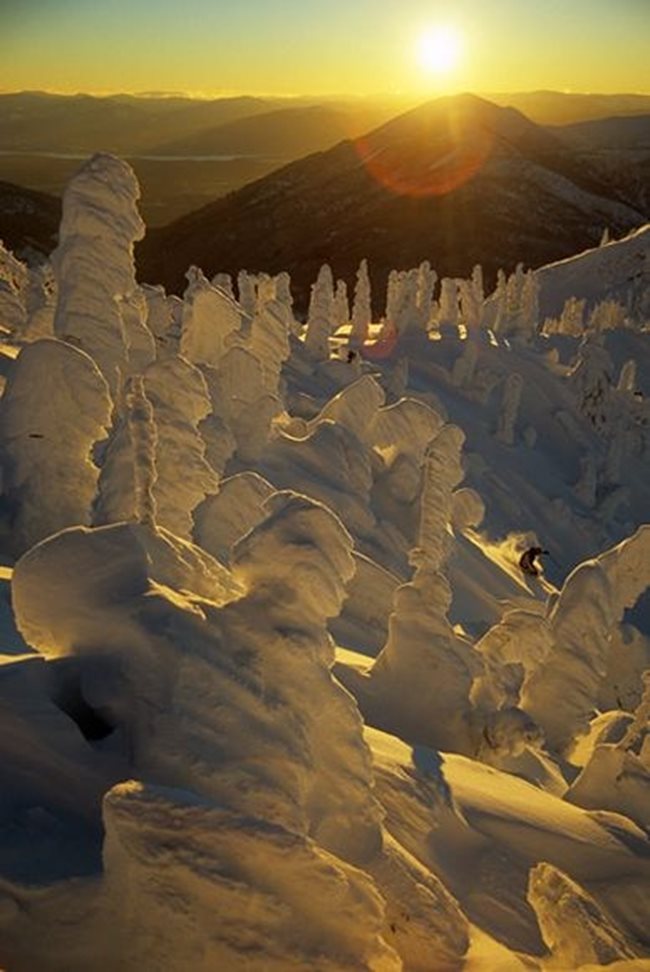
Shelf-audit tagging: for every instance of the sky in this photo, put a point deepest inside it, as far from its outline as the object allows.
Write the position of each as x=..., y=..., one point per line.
x=301, y=47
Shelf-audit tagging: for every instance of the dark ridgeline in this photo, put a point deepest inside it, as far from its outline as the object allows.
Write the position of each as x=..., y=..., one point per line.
x=29, y=220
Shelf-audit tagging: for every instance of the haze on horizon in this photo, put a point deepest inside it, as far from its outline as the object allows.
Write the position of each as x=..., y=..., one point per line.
x=287, y=47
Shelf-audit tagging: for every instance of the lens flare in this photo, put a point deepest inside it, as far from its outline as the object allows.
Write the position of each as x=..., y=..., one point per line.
x=433, y=151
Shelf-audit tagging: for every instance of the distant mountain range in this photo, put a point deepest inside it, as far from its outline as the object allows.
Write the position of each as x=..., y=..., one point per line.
x=458, y=181
x=621, y=132
x=568, y=107
x=35, y=121
x=285, y=133
x=528, y=193
x=188, y=152
x=185, y=152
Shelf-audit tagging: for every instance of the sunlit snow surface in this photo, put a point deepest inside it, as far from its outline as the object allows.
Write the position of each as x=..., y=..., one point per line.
x=276, y=695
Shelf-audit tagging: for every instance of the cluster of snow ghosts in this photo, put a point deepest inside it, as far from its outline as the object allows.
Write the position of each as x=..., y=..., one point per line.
x=275, y=695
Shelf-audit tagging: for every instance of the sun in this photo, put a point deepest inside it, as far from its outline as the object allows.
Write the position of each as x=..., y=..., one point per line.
x=439, y=49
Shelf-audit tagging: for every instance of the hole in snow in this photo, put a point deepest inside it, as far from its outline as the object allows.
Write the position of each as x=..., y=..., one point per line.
x=92, y=724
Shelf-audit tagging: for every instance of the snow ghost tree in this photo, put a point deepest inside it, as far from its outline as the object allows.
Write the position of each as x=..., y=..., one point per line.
x=449, y=311
x=179, y=396
x=142, y=429
x=228, y=515
x=426, y=285
x=361, y=310
x=40, y=303
x=393, y=288
x=572, y=319
x=269, y=341
x=408, y=319
x=55, y=407
x=627, y=377
x=210, y=320
x=247, y=291
x=562, y=693
x=512, y=390
x=139, y=340
x=320, y=318
x=472, y=297
x=341, y=305
x=577, y=932
x=13, y=283
x=288, y=791
x=419, y=686
x=607, y=315
x=223, y=281
x=499, y=298
x=242, y=400
x=169, y=926
x=93, y=263
x=617, y=774
x=160, y=319
x=156, y=438
x=592, y=381
x=462, y=374
x=397, y=381
x=529, y=305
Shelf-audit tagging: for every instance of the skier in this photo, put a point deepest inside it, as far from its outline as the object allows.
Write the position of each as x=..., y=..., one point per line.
x=527, y=561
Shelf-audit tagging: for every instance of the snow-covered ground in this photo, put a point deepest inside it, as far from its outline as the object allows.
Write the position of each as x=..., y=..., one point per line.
x=276, y=692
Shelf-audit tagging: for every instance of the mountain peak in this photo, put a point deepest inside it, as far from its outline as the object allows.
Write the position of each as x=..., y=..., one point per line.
x=461, y=116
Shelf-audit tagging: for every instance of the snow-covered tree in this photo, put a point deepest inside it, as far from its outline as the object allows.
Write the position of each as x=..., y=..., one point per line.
x=40, y=303
x=471, y=299
x=228, y=515
x=462, y=374
x=627, y=377
x=341, y=305
x=242, y=400
x=426, y=285
x=499, y=298
x=408, y=317
x=144, y=439
x=573, y=317
x=512, y=389
x=393, y=288
x=592, y=380
x=284, y=297
x=247, y=293
x=419, y=685
x=223, y=281
x=607, y=315
x=575, y=929
x=211, y=319
x=93, y=263
x=361, y=307
x=55, y=407
x=320, y=318
x=562, y=693
x=449, y=311
x=396, y=383
x=139, y=340
x=530, y=305
x=269, y=341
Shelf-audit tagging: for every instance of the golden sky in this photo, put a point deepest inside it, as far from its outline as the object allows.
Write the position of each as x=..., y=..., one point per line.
x=300, y=47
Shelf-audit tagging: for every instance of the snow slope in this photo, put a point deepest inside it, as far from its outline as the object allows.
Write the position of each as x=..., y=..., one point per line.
x=276, y=693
